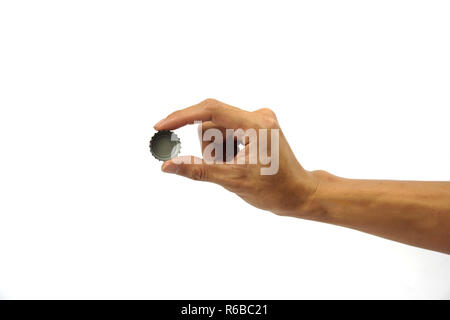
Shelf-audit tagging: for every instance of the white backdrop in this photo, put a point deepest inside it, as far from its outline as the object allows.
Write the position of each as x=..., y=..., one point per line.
x=361, y=89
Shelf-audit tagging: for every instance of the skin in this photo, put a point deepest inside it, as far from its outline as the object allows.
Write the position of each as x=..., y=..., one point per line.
x=412, y=212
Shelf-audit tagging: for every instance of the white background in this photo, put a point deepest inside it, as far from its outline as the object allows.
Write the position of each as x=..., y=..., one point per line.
x=361, y=89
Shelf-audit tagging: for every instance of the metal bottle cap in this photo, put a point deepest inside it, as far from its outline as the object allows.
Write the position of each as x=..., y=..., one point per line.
x=165, y=145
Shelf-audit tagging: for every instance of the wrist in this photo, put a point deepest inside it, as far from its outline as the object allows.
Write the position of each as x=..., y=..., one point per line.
x=313, y=208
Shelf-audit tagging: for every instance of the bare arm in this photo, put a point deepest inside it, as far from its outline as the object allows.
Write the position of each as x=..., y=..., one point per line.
x=412, y=212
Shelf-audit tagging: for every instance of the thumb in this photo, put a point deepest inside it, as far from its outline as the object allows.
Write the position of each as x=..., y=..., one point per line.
x=196, y=169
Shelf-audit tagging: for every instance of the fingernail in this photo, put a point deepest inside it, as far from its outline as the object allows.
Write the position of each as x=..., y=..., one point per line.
x=159, y=123
x=169, y=167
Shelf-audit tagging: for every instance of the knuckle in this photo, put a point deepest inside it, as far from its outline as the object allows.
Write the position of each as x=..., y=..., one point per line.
x=267, y=111
x=267, y=118
x=209, y=100
x=210, y=103
x=269, y=122
x=210, y=107
x=199, y=173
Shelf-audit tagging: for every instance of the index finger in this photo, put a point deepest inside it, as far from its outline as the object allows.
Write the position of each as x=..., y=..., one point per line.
x=208, y=110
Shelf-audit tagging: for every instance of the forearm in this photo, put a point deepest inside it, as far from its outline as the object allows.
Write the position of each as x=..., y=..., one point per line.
x=412, y=212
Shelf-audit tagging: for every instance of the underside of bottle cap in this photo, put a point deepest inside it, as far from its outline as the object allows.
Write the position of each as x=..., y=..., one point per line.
x=165, y=145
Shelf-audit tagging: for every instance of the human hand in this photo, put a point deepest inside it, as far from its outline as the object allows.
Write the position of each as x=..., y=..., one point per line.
x=287, y=192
